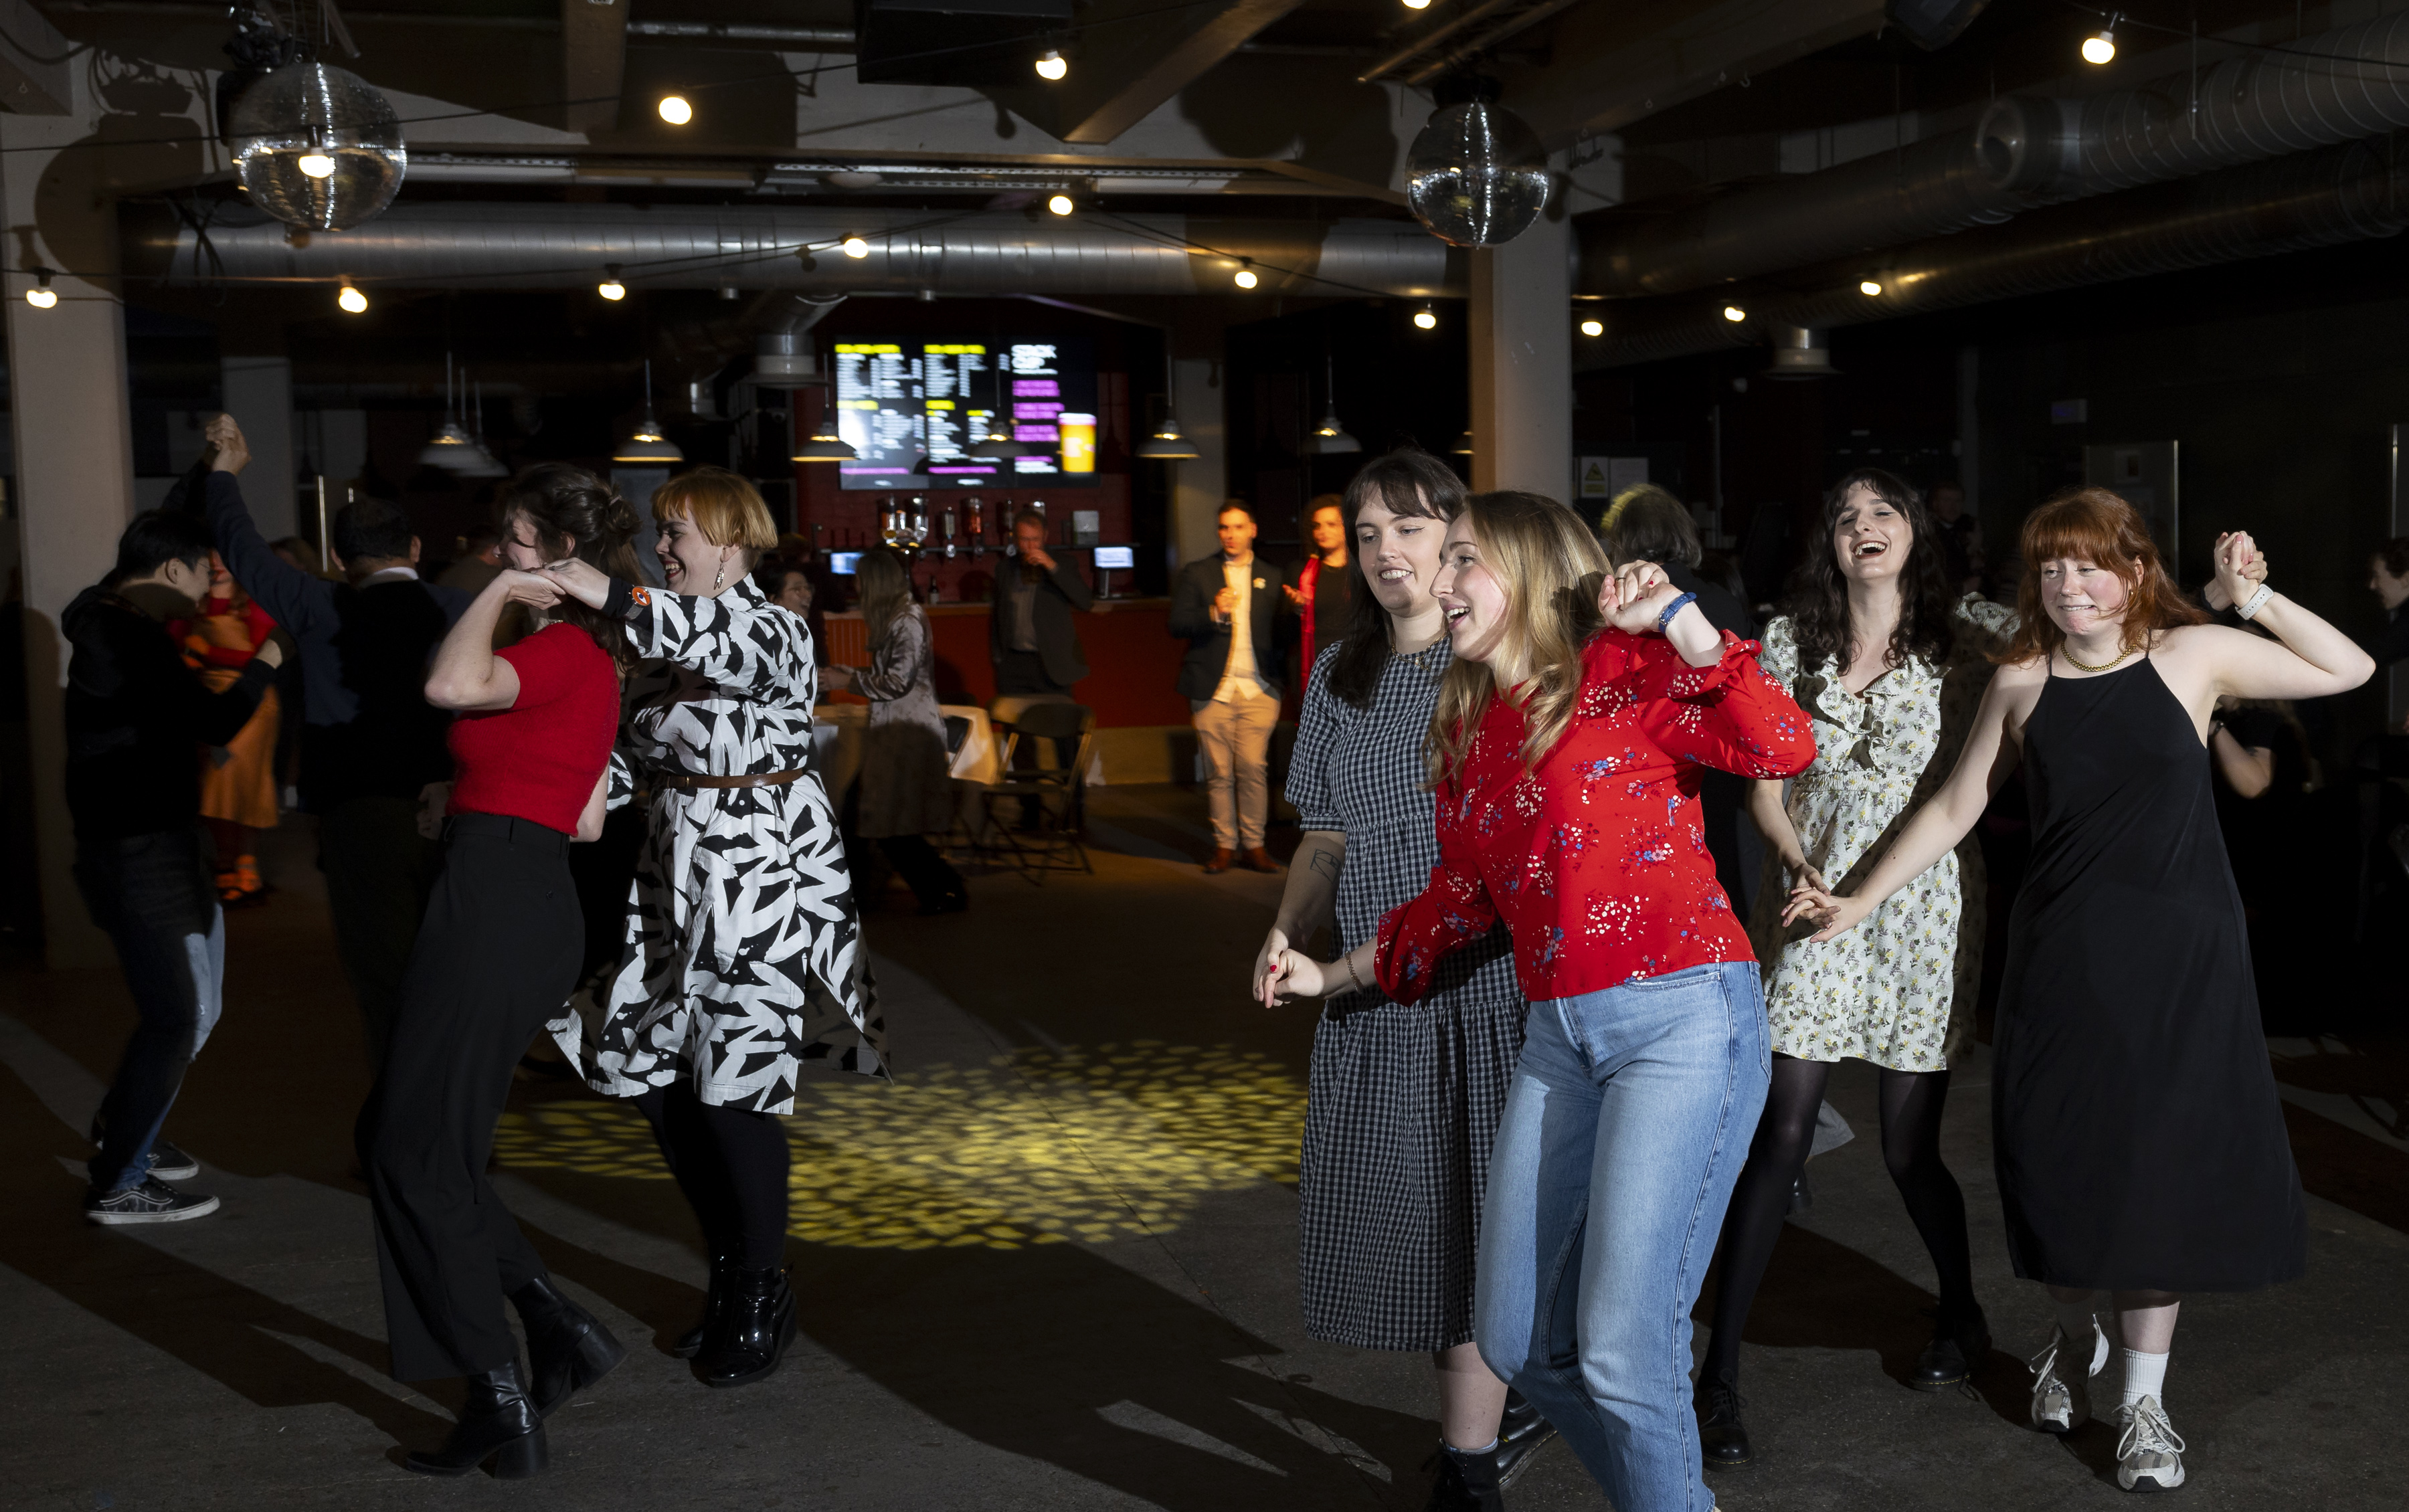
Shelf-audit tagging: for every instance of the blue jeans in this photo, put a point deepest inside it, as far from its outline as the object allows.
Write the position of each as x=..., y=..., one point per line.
x=1635, y=1107
x=153, y=895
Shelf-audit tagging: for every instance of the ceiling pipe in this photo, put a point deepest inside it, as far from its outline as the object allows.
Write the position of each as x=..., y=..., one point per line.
x=2024, y=152
x=550, y=246
x=2356, y=191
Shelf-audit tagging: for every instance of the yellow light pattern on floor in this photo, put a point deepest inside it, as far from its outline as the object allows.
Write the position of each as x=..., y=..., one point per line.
x=1034, y=1148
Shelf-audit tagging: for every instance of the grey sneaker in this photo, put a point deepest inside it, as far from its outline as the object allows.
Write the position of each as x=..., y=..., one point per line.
x=169, y=1163
x=153, y=1202
x=2149, y=1452
x=2061, y=1391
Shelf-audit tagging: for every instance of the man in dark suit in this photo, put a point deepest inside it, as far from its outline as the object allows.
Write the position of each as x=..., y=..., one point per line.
x=370, y=744
x=1029, y=631
x=1231, y=681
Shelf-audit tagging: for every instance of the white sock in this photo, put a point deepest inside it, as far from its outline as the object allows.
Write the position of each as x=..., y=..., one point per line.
x=2144, y=1376
x=2074, y=1321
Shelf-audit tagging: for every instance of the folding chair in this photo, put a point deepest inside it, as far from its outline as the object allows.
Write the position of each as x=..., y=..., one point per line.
x=1061, y=793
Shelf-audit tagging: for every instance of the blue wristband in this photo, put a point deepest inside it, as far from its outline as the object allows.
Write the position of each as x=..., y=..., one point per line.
x=1672, y=608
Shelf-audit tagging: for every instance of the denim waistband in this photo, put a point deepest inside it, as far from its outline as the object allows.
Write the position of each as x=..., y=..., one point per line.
x=508, y=827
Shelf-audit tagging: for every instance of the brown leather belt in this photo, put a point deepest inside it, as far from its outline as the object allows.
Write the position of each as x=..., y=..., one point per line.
x=686, y=781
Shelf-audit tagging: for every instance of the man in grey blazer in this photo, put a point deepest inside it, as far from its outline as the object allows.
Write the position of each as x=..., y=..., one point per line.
x=1233, y=682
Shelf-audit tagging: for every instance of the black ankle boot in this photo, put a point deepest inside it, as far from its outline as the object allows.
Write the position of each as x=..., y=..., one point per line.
x=1723, y=1436
x=714, y=1309
x=496, y=1422
x=1468, y=1482
x=568, y=1347
x=1959, y=1342
x=1519, y=1434
x=759, y=1325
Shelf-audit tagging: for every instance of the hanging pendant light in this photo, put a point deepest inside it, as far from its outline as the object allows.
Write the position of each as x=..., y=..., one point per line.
x=449, y=447
x=1167, y=444
x=316, y=146
x=824, y=445
x=1331, y=438
x=1463, y=446
x=647, y=442
x=481, y=461
x=1476, y=176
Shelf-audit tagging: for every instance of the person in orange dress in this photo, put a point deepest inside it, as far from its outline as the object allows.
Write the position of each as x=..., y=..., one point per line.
x=239, y=778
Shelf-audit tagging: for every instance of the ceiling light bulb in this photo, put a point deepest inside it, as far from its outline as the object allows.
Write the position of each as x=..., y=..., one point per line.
x=1051, y=66
x=316, y=164
x=1426, y=318
x=1592, y=328
x=1870, y=287
x=353, y=301
x=2100, y=47
x=611, y=288
x=1735, y=314
x=41, y=297
x=675, y=110
x=1060, y=205
x=854, y=247
x=1246, y=279
x=1417, y=4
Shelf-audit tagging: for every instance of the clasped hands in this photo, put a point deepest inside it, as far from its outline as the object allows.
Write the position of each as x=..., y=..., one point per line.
x=548, y=584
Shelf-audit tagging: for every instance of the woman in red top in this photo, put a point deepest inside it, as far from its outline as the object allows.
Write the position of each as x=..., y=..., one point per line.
x=497, y=956
x=1566, y=765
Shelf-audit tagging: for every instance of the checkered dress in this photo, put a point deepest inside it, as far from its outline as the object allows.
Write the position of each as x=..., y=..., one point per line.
x=1403, y=1104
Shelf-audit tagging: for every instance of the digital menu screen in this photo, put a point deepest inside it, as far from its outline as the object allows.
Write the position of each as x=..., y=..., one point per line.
x=914, y=408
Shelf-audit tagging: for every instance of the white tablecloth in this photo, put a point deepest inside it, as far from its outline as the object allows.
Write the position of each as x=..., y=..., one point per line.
x=836, y=744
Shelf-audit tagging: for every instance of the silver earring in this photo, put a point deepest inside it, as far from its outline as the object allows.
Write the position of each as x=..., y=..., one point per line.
x=719, y=577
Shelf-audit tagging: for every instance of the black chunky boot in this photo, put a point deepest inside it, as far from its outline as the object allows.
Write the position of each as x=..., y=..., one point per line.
x=496, y=1422
x=568, y=1347
x=759, y=1324
x=1468, y=1482
x=1959, y=1342
x=1519, y=1434
x=715, y=1308
x=1723, y=1436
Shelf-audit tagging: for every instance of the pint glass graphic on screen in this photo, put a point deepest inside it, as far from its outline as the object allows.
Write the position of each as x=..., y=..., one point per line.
x=1079, y=434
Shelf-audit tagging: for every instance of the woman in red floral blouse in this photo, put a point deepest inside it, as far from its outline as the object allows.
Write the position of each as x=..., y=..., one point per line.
x=1569, y=805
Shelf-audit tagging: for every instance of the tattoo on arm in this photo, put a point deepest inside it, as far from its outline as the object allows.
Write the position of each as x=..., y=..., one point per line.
x=1325, y=863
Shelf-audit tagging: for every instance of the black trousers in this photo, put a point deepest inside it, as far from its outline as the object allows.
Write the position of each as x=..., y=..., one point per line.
x=379, y=873
x=496, y=957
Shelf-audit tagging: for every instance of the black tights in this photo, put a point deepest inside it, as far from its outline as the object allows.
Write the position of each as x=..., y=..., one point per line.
x=731, y=1165
x=1911, y=1105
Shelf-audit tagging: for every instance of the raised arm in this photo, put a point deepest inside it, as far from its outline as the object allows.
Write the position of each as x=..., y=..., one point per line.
x=467, y=675
x=1068, y=582
x=1191, y=607
x=739, y=641
x=2308, y=658
x=297, y=599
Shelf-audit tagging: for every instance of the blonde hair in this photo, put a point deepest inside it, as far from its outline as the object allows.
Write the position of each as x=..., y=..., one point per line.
x=727, y=509
x=1550, y=568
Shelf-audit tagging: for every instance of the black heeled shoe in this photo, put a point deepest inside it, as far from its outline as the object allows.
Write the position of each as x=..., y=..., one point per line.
x=1519, y=1434
x=1723, y=1435
x=497, y=1422
x=1959, y=1342
x=759, y=1325
x=714, y=1309
x=1467, y=1482
x=568, y=1347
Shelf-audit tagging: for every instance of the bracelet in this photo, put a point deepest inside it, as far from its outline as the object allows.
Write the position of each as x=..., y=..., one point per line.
x=1672, y=608
x=2257, y=601
x=1349, y=960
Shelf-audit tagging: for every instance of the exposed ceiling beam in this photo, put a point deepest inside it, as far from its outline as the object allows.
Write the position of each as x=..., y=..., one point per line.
x=1132, y=57
x=593, y=60
x=34, y=79
x=1615, y=65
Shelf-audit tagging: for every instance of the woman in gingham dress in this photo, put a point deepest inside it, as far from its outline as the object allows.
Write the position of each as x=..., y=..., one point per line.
x=1403, y=1102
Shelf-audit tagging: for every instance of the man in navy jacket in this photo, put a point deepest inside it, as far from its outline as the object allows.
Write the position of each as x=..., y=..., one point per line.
x=1229, y=606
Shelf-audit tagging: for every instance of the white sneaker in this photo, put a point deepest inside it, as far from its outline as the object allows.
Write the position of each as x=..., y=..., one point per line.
x=2149, y=1452
x=2061, y=1396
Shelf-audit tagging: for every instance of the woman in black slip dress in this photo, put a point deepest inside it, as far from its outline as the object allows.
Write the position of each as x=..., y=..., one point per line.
x=2139, y=1146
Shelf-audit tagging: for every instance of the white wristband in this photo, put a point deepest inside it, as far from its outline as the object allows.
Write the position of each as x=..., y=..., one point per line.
x=2257, y=601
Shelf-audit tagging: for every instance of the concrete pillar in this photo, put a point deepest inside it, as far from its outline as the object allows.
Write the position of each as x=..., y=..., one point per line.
x=258, y=393
x=75, y=457
x=1199, y=487
x=1521, y=338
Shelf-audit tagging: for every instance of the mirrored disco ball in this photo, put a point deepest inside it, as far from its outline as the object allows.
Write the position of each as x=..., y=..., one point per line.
x=1476, y=176
x=308, y=115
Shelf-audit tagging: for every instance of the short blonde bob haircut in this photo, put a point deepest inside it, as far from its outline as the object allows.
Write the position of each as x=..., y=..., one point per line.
x=726, y=508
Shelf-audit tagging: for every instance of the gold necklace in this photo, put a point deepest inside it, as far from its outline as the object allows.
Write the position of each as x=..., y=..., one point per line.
x=2088, y=668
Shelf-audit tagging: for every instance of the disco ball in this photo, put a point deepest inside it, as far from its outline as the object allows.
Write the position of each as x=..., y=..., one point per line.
x=1476, y=176
x=316, y=146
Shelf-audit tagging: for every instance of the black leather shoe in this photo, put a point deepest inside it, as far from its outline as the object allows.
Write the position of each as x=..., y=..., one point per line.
x=1723, y=1437
x=568, y=1347
x=759, y=1325
x=1519, y=1434
x=1467, y=1482
x=497, y=1422
x=1959, y=1342
x=715, y=1308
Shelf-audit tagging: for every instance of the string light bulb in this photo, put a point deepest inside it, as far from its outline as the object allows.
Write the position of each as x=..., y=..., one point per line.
x=1735, y=314
x=2100, y=46
x=1592, y=328
x=676, y=109
x=352, y=301
x=1426, y=318
x=41, y=295
x=315, y=165
x=854, y=247
x=1051, y=66
x=1245, y=278
x=1060, y=205
x=1417, y=4
x=1870, y=288
x=611, y=288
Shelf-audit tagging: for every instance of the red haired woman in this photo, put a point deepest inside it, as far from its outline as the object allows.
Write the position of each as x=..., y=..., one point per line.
x=2139, y=1146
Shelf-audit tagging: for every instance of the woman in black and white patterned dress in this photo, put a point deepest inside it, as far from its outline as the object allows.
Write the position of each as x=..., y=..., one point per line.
x=744, y=958
x=1402, y=1103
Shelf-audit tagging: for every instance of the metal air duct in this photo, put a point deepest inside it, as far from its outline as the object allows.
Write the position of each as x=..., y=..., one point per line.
x=783, y=357
x=2024, y=152
x=542, y=246
x=2353, y=193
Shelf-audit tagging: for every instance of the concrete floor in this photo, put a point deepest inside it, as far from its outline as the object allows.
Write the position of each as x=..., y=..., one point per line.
x=1054, y=1266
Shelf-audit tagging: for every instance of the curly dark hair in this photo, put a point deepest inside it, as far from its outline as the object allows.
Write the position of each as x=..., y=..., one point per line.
x=576, y=513
x=1818, y=598
x=1408, y=480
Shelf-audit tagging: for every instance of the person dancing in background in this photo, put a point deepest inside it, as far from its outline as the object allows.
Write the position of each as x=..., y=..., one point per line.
x=499, y=951
x=907, y=782
x=237, y=778
x=744, y=958
x=2140, y=1147
x=1566, y=766
x=1403, y=1100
